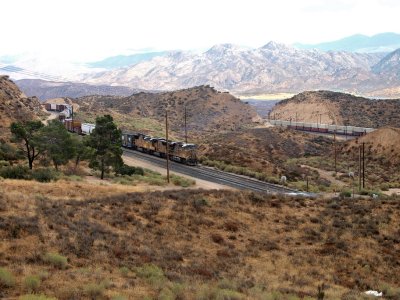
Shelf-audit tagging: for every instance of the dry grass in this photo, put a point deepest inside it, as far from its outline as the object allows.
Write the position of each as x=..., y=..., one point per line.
x=194, y=244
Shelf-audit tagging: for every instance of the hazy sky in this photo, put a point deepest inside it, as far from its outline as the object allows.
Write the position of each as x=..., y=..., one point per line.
x=88, y=29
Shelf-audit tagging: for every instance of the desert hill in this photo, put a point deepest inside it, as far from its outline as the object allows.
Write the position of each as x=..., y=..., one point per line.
x=15, y=106
x=208, y=110
x=382, y=145
x=264, y=149
x=338, y=108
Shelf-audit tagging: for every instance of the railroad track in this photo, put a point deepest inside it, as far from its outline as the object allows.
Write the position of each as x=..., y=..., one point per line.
x=213, y=175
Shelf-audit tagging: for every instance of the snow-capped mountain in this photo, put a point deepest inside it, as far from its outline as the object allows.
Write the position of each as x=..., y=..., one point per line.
x=271, y=68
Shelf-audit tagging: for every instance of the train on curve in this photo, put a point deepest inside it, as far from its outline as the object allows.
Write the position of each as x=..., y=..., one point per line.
x=177, y=151
x=323, y=128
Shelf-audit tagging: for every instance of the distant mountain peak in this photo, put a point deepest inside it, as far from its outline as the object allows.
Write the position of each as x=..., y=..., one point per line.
x=223, y=48
x=275, y=46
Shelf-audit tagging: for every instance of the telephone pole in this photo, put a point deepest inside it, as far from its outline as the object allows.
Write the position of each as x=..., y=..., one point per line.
x=359, y=168
x=334, y=144
x=185, y=127
x=167, y=145
x=363, y=165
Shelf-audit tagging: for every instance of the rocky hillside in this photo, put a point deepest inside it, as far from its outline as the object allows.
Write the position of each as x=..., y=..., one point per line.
x=15, y=106
x=208, y=110
x=269, y=69
x=338, y=108
x=50, y=89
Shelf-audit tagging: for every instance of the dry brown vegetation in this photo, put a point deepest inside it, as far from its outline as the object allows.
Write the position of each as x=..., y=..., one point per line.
x=340, y=109
x=199, y=245
x=264, y=149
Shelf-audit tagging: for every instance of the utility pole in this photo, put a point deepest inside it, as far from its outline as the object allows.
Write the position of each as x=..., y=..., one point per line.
x=363, y=165
x=307, y=183
x=359, y=168
x=334, y=145
x=185, y=127
x=167, y=145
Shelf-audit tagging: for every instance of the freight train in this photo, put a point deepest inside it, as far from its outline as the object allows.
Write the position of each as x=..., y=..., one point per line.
x=177, y=151
x=323, y=128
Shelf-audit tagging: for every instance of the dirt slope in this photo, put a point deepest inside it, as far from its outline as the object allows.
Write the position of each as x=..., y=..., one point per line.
x=15, y=106
x=338, y=108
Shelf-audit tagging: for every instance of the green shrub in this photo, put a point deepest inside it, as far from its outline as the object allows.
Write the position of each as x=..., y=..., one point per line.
x=4, y=163
x=119, y=297
x=129, y=170
x=151, y=273
x=181, y=181
x=56, y=260
x=125, y=180
x=9, y=152
x=32, y=283
x=36, y=297
x=345, y=194
x=124, y=271
x=6, y=278
x=73, y=178
x=43, y=175
x=15, y=172
x=166, y=294
x=94, y=290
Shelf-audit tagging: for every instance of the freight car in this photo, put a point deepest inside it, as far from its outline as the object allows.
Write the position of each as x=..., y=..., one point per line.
x=79, y=127
x=177, y=151
x=56, y=107
x=323, y=128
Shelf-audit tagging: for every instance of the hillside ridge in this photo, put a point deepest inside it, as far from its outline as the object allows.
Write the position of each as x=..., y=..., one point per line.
x=329, y=107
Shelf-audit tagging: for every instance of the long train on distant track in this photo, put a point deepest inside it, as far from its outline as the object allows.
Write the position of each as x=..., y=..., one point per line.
x=177, y=151
x=323, y=128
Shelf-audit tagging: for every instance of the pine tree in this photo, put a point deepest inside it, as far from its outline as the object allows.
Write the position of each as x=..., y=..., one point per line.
x=106, y=142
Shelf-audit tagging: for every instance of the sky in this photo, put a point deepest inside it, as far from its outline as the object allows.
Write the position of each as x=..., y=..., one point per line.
x=79, y=30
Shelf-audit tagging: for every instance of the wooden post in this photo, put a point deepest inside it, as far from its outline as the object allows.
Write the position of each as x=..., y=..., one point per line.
x=307, y=183
x=185, y=127
x=359, y=168
x=363, y=165
x=167, y=146
x=334, y=144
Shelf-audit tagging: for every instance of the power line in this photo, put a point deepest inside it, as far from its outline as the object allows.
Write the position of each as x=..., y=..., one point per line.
x=40, y=75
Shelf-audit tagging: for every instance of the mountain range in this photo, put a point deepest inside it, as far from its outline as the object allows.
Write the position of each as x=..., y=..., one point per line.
x=51, y=89
x=272, y=68
x=268, y=69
